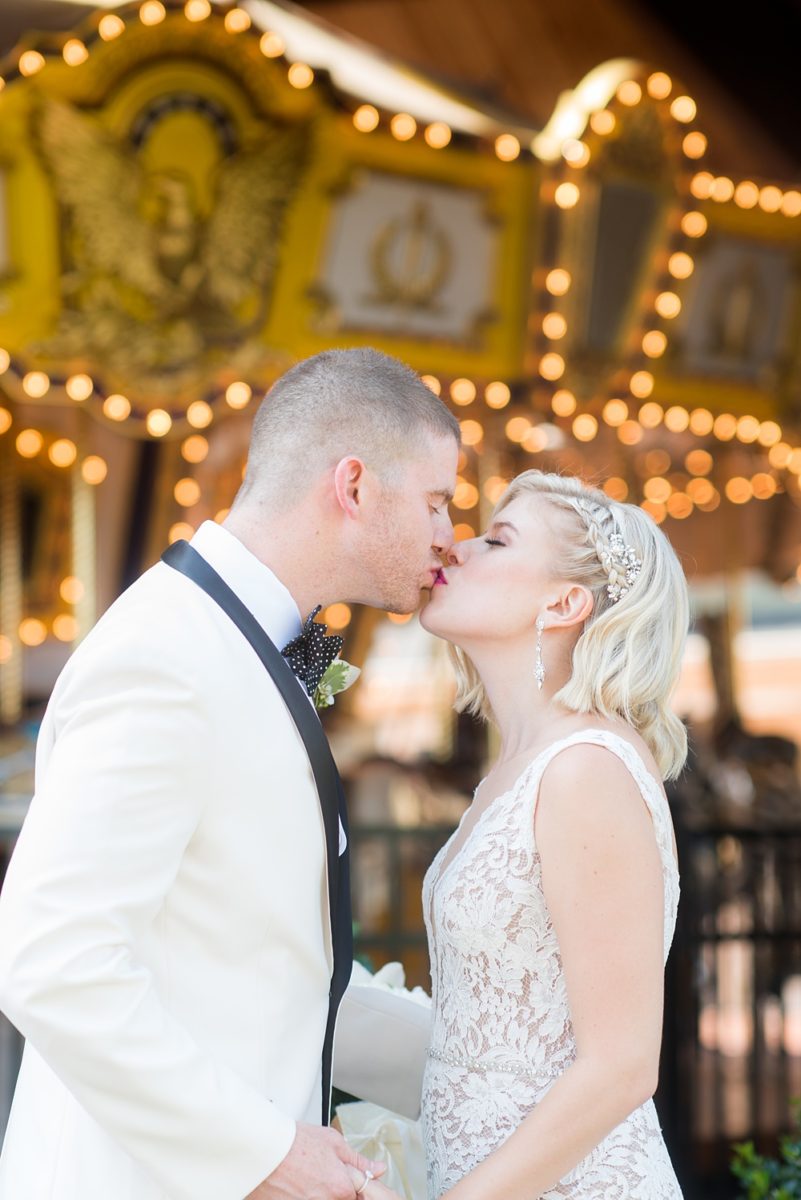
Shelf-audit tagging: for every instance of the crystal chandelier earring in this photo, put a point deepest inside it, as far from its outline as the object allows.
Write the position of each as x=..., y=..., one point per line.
x=539, y=665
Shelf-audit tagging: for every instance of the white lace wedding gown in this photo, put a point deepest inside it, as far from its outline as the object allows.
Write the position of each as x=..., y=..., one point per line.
x=501, y=1031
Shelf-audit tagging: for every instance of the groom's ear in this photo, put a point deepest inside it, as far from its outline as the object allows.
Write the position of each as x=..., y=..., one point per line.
x=348, y=480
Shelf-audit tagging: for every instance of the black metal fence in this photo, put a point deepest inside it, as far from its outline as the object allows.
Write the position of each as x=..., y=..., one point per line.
x=731, y=1056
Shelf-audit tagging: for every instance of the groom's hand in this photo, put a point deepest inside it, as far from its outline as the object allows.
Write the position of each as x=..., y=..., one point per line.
x=319, y=1166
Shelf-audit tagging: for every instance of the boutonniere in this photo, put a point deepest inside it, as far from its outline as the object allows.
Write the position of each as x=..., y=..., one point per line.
x=337, y=678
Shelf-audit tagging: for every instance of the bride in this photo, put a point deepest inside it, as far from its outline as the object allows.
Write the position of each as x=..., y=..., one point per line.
x=551, y=910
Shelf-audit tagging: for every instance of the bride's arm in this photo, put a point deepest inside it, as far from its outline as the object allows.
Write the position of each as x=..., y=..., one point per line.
x=602, y=879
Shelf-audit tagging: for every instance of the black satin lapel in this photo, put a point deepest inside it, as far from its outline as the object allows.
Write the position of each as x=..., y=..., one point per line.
x=185, y=559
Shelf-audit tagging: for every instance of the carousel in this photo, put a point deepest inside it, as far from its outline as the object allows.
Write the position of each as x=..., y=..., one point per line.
x=193, y=196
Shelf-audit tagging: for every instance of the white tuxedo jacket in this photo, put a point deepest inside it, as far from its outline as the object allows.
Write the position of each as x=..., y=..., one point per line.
x=164, y=935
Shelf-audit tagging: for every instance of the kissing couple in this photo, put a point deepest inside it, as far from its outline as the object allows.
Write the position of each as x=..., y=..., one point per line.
x=175, y=929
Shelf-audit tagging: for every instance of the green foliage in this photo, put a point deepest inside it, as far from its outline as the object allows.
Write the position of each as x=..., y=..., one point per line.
x=764, y=1178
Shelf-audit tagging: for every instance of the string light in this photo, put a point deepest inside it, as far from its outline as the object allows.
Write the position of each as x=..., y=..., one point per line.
x=576, y=153
x=739, y=490
x=432, y=383
x=79, y=387
x=403, y=127
x=659, y=85
x=72, y=590
x=657, y=490
x=197, y=10
x=770, y=199
x=337, y=616
x=563, y=403
x=94, y=470
x=694, y=145
x=651, y=415
x=746, y=194
x=237, y=21
x=701, y=422
x=615, y=412
x=585, y=427
x=465, y=495
x=494, y=487
x=366, y=118
x=654, y=343
x=668, y=305
x=630, y=433
x=683, y=109
x=725, y=427
x=158, y=422
x=722, y=189
x=195, y=449
x=30, y=62
x=680, y=265
x=110, y=27
x=694, y=224
x=152, y=12
x=32, y=632
x=238, y=394
x=535, y=440
x=463, y=392
x=770, y=432
x=117, y=407
x=616, y=488
x=679, y=506
x=699, y=462
x=437, y=135
x=567, y=195
x=779, y=455
x=65, y=627
x=655, y=462
x=6, y=420
x=677, y=419
x=629, y=93
x=29, y=442
x=74, y=52
x=186, y=492
x=558, y=281
x=507, y=147
x=517, y=428
x=36, y=384
x=199, y=414
x=764, y=485
x=497, y=394
x=791, y=204
x=603, y=122
x=271, y=44
x=701, y=185
x=300, y=75
x=5, y=361
x=748, y=429
x=554, y=326
x=472, y=432
x=641, y=384
x=63, y=453
x=180, y=530
x=552, y=366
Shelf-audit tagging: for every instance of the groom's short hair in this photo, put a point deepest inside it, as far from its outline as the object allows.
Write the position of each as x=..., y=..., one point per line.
x=360, y=401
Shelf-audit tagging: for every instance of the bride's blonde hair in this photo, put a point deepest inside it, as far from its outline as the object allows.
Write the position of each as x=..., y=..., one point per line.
x=627, y=659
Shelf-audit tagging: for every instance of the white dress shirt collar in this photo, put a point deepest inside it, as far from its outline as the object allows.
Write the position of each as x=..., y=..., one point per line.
x=259, y=588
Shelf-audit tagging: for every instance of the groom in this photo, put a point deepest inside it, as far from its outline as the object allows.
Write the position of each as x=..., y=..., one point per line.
x=175, y=924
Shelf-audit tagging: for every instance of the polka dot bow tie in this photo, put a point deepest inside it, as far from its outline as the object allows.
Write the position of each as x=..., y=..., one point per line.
x=311, y=653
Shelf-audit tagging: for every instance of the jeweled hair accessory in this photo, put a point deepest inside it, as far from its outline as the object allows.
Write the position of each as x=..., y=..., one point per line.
x=622, y=565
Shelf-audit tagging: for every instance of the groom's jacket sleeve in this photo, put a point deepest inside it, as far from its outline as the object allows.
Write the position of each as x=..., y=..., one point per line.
x=117, y=803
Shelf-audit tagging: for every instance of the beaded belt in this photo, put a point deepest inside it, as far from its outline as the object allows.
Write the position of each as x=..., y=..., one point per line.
x=484, y=1068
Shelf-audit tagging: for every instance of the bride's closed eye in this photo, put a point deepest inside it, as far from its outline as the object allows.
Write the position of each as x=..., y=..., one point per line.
x=494, y=542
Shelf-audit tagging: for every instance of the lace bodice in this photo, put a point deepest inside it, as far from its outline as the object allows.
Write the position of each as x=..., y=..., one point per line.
x=501, y=1029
